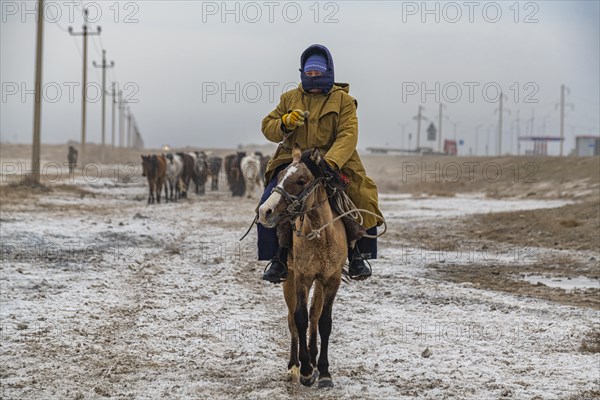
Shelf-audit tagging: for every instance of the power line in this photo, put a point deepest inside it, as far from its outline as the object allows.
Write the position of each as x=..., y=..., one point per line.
x=96, y=47
x=585, y=100
x=101, y=42
x=77, y=45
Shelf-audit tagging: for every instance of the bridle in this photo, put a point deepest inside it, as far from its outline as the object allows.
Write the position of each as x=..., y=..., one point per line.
x=296, y=203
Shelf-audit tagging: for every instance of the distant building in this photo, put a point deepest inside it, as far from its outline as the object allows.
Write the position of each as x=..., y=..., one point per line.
x=450, y=147
x=586, y=146
x=540, y=144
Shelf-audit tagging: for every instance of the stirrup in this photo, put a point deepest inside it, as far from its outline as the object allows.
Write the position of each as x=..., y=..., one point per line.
x=360, y=277
x=276, y=259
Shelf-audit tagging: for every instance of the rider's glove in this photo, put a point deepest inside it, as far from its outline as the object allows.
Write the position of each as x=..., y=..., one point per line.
x=294, y=119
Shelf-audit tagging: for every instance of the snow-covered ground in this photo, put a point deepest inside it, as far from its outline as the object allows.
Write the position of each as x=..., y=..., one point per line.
x=107, y=297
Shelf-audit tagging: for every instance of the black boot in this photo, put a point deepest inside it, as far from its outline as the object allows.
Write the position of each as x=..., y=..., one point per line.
x=276, y=270
x=358, y=268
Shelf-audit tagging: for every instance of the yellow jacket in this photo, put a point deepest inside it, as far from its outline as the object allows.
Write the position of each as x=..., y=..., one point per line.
x=332, y=126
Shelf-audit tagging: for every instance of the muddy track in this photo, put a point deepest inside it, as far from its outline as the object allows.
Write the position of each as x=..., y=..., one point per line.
x=183, y=314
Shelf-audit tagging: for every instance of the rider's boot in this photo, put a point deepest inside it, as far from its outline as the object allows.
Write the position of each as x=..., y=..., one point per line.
x=276, y=270
x=358, y=268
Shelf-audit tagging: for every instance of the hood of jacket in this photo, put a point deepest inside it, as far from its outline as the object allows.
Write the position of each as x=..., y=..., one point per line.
x=322, y=82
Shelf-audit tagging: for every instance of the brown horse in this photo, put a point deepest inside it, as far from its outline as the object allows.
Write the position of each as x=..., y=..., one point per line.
x=154, y=168
x=188, y=172
x=235, y=176
x=301, y=198
x=72, y=159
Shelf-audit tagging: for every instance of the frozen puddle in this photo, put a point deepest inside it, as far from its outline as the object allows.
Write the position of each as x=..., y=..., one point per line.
x=569, y=284
x=403, y=206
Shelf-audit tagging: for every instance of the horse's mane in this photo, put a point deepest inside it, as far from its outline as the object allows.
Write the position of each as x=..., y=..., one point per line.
x=323, y=169
x=154, y=161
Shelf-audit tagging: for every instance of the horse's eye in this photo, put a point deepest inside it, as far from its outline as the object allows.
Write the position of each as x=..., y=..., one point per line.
x=300, y=182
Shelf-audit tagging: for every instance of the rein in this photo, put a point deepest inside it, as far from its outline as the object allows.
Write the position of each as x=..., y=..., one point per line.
x=295, y=204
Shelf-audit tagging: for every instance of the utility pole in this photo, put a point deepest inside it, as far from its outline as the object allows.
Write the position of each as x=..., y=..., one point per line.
x=477, y=138
x=563, y=92
x=500, y=116
x=562, y=117
x=113, y=94
x=129, y=117
x=455, y=137
x=455, y=124
x=440, y=128
x=139, y=143
x=518, y=134
x=104, y=66
x=85, y=34
x=37, y=107
x=419, y=117
x=500, y=113
x=121, y=119
x=403, y=126
x=487, y=145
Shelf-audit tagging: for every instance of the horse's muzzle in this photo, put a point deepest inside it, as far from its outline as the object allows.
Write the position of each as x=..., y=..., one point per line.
x=267, y=216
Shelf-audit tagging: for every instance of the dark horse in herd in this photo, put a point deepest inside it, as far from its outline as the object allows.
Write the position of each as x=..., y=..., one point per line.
x=177, y=171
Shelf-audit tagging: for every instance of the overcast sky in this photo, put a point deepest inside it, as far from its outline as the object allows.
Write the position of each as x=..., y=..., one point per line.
x=178, y=54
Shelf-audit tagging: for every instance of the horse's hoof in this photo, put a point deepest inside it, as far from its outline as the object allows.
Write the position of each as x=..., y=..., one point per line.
x=293, y=375
x=325, y=383
x=308, y=381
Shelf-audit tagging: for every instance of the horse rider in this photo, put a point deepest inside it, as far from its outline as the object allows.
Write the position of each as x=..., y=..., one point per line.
x=331, y=126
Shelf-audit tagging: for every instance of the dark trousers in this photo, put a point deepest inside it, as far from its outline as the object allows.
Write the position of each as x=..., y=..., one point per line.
x=267, y=237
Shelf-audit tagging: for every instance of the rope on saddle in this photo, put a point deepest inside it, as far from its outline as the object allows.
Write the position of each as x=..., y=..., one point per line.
x=346, y=207
x=316, y=233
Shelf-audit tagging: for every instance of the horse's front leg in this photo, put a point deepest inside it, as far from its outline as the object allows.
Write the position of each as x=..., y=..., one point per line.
x=289, y=294
x=315, y=313
x=329, y=291
x=307, y=372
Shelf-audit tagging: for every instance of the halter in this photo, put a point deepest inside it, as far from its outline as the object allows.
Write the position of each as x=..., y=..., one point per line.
x=296, y=203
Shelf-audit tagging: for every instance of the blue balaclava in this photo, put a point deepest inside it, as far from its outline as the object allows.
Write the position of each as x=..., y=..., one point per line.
x=317, y=58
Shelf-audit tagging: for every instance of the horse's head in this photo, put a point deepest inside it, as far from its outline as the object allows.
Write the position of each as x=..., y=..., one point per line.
x=293, y=183
x=146, y=164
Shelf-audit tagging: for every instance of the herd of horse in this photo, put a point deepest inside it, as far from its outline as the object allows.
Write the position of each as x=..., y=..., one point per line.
x=176, y=171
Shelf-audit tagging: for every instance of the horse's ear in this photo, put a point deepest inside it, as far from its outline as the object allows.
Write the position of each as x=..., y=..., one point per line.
x=296, y=152
x=316, y=156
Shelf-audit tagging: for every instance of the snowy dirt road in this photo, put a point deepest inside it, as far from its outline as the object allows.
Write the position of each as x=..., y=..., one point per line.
x=105, y=297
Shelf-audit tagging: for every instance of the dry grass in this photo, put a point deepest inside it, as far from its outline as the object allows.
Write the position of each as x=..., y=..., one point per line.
x=574, y=226
x=591, y=342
